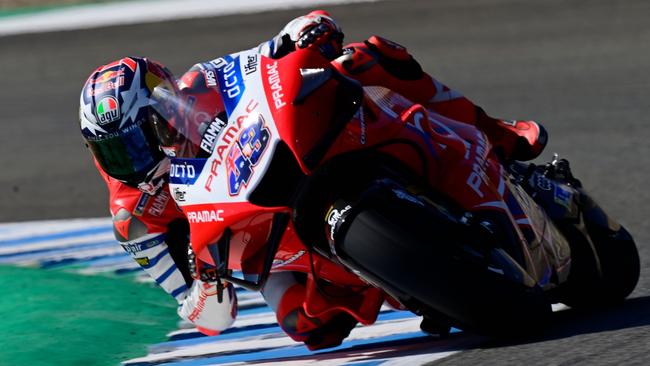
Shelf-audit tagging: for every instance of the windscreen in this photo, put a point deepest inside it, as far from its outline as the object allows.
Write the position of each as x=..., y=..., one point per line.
x=186, y=127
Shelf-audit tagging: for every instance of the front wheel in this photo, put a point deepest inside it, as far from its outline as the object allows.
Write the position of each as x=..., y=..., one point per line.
x=419, y=253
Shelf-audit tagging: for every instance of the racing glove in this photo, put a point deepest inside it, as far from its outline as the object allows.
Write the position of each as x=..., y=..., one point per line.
x=315, y=30
x=203, y=308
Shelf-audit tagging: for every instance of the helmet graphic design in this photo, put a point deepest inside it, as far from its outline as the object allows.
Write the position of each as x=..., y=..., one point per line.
x=118, y=122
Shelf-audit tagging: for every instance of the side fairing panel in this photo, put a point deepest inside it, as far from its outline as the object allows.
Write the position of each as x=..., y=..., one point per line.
x=214, y=192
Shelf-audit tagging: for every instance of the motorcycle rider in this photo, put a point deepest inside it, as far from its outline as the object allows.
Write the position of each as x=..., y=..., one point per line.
x=114, y=117
x=120, y=128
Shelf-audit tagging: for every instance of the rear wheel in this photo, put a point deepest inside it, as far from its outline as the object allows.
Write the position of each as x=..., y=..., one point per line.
x=422, y=255
x=604, y=275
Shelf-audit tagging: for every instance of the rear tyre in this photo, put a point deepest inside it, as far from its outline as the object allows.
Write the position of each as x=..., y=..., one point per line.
x=619, y=263
x=607, y=278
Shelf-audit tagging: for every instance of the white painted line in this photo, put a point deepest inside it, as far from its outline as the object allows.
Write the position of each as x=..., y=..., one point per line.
x=17, y=230
x=277, y=340
x=145, y=11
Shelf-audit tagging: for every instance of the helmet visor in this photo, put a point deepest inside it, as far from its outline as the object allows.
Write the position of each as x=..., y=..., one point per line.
x=129, y=155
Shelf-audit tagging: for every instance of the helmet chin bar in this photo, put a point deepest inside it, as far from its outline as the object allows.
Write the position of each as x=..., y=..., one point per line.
x=220, y=254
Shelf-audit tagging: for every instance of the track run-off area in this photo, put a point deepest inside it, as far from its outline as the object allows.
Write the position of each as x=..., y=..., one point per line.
x=580, y=68
x=87, y=250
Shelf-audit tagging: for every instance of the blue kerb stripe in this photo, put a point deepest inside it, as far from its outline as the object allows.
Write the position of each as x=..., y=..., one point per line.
x=367, y=363
x=255, y=310
x=168, y=346
x=269, y=328
x=61, y=235
x=299, y=350
x=37, y=252
x=167, y=273
x=124, y=271
x=154, y=261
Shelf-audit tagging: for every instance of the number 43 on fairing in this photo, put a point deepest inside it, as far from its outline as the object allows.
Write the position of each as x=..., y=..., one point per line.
x=245, y=154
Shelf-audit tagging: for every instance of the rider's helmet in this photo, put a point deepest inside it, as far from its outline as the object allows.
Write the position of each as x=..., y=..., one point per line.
x=119, y=122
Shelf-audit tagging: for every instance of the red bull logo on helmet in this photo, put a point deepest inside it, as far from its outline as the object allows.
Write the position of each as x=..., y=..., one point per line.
x=108, y=110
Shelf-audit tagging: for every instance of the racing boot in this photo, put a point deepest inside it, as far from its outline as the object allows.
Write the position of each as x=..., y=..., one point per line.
x=512, y=139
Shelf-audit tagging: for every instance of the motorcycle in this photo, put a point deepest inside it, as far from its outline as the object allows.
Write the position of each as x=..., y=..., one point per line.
x=373, y=197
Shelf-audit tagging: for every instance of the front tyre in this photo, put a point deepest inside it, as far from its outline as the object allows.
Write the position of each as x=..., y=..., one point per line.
x=419, y=253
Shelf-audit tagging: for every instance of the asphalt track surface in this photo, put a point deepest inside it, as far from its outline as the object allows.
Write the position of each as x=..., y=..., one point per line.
x=579, y=67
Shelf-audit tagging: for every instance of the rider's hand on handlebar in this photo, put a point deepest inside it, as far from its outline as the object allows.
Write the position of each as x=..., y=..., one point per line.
x=314, y=30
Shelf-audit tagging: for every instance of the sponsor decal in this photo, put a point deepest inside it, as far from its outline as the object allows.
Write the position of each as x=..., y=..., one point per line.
x=211, y=134
x=477, y=176
x=107, y=86
x=245, y=154
x=109, y=80
x=182, y=171
x=230, y=81
x=218, y=63
x=109, y=75
x=134, y=247
x=225, y=140
x=279, y=263
x=544, y=183
x=333, y=218
x=206, y=291
x=142, y=203
x=179, y=195
x=185, y=171
x=205, y=216
x=274, y=83
x=108, y=110
x=251, y=64
x=562, y=196
x=210, y=78
x=144, y=261
x=159, y=203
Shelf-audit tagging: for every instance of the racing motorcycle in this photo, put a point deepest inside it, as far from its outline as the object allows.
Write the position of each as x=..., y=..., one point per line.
x=373, y=197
